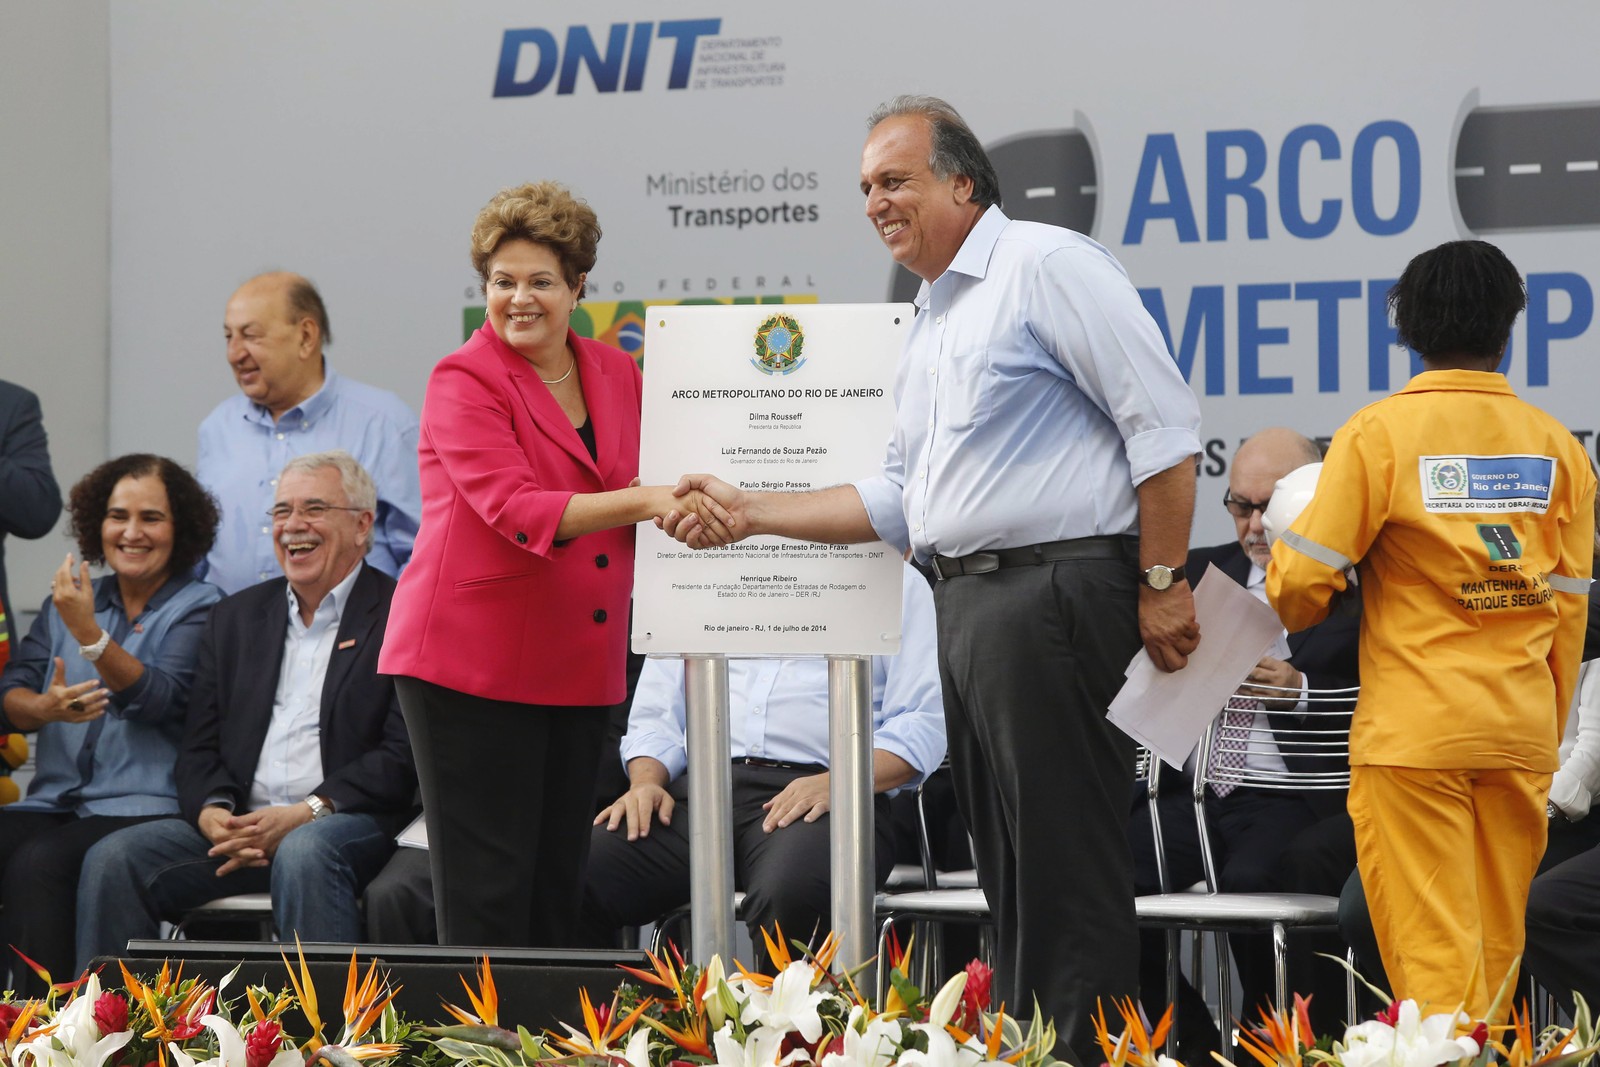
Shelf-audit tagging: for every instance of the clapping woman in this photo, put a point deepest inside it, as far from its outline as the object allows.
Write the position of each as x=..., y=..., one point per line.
x=103, y=678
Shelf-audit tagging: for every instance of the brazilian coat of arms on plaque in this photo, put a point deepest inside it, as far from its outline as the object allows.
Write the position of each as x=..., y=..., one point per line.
x=779, y=342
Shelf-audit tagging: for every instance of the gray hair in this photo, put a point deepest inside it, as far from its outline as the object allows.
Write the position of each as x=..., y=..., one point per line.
x=353, y=479
x=956, y=149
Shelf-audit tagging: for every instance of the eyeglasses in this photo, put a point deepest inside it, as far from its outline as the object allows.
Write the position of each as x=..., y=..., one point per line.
x=1241, y=509
x=312, y=512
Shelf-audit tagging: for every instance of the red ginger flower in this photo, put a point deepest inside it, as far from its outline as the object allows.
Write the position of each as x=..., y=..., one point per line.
x=262, y=1043
x=975, y=995
x=8, y=1015
x=111, y=1013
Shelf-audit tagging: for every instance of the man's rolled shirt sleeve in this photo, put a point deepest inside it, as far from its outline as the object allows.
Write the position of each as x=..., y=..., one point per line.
x=886, y=511
x=910, y=719
x=1085, y=311
x=655, y=721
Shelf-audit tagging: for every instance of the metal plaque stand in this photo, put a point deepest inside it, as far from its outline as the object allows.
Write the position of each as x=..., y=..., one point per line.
x=705, y=692
x=850, y=845
x=851, y=834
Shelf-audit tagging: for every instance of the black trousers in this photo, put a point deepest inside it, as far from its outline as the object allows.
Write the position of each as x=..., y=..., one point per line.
x=784, y=874
x=509, y=792
x=41, y=854
x=399, y=902
x=1030, y=658
x=1563, y=950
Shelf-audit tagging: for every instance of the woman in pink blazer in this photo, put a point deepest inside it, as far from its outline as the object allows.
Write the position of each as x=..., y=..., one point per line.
x=508, y=633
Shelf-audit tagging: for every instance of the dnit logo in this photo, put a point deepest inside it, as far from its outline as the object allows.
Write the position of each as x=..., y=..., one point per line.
x=624, y=58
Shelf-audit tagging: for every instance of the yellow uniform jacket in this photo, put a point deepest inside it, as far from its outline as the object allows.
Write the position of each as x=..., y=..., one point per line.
x=1470, y=517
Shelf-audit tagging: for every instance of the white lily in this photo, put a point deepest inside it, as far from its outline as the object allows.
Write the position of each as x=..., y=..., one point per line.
x=716, y=982
x=760, y=1048
x=947, y=1000
x=43, y=1051
x=230, y=1048
x=871, y=1045
x=790, y=1005
x=1413, y=1041
x=637, y=1052
x=942, y=1050
x=76, y=1040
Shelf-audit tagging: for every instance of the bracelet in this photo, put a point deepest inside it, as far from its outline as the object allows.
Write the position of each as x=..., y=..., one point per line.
x=95, y=651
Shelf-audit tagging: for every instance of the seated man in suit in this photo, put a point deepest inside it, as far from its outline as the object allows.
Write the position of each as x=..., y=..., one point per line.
x=295, y=770
x=1251, y=829
x=639, y=854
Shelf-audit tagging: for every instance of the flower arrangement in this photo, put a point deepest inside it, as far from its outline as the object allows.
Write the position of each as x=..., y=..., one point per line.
x=1399, y=1036
x=680, y=1014
x=189, y=1023
x=677, y=1014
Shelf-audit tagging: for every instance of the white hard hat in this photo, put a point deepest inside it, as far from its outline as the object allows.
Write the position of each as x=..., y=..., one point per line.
x=1289, y=498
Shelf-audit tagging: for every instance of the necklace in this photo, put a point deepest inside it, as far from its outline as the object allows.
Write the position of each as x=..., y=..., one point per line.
x=564, y=377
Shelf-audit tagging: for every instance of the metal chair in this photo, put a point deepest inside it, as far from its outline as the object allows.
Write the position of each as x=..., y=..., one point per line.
x=1321, y=740
x=945, y=897
x=241, y=908
x=951, y=897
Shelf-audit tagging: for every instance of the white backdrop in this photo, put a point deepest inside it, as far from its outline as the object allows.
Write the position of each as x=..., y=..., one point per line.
x=354, y=142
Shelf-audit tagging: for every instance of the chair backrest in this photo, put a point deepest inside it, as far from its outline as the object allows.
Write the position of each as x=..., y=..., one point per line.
x=1313, y=745
x=1300, y=750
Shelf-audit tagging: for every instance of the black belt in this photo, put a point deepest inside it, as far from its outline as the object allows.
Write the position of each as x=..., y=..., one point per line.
x=1033, y=555
x=777, y=764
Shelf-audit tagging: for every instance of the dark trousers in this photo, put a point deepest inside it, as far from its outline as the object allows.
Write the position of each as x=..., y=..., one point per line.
x=399, y=902
x=1030, y=658
x=41, y=854
x=1563, y=950
x=1261, y=843
x=784, y=874
x=508, y=790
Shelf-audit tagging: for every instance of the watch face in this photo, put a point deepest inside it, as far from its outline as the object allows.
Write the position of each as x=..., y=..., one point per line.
x=1158, y=577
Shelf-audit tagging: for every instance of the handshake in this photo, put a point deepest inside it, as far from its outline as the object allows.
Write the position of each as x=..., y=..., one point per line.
x=701, y=511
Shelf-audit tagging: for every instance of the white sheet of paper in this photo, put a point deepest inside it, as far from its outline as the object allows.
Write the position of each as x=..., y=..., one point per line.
x=1167, y=713
x=415, y=835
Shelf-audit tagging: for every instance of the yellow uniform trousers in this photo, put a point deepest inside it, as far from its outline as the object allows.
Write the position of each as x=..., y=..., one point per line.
x=1446, y=859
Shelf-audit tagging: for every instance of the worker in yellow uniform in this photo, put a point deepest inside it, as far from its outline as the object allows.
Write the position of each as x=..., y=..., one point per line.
x=1468, y=516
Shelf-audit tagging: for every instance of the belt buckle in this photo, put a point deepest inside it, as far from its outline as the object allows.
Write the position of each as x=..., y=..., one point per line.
x=938, y=568
x=980, y=563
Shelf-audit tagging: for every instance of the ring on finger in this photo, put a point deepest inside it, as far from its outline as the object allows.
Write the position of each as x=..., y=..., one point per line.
x=76, y=705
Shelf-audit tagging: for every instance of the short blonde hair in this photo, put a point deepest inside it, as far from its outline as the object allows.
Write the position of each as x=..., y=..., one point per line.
x=546, y=214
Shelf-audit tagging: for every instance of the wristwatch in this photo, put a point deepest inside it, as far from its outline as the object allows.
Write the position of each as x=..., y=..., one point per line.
x=96, y=650
x=1162, y=576
x=319, y=810
x=1552, y=812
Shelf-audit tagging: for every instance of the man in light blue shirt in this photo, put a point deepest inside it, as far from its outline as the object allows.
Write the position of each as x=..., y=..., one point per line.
x=292, y=403
x=1043, y=460
x=639, y=856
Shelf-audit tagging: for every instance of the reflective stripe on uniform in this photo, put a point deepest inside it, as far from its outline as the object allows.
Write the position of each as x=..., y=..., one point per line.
x=1562, y=584
x=1321, y=553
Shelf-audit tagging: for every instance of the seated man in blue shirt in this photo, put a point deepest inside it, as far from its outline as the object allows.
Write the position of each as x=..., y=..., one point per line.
x=295, y=770
x=639, y=855
x=291, y=403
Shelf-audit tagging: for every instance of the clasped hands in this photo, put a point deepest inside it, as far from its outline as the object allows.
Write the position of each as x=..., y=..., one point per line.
x=250, y=839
